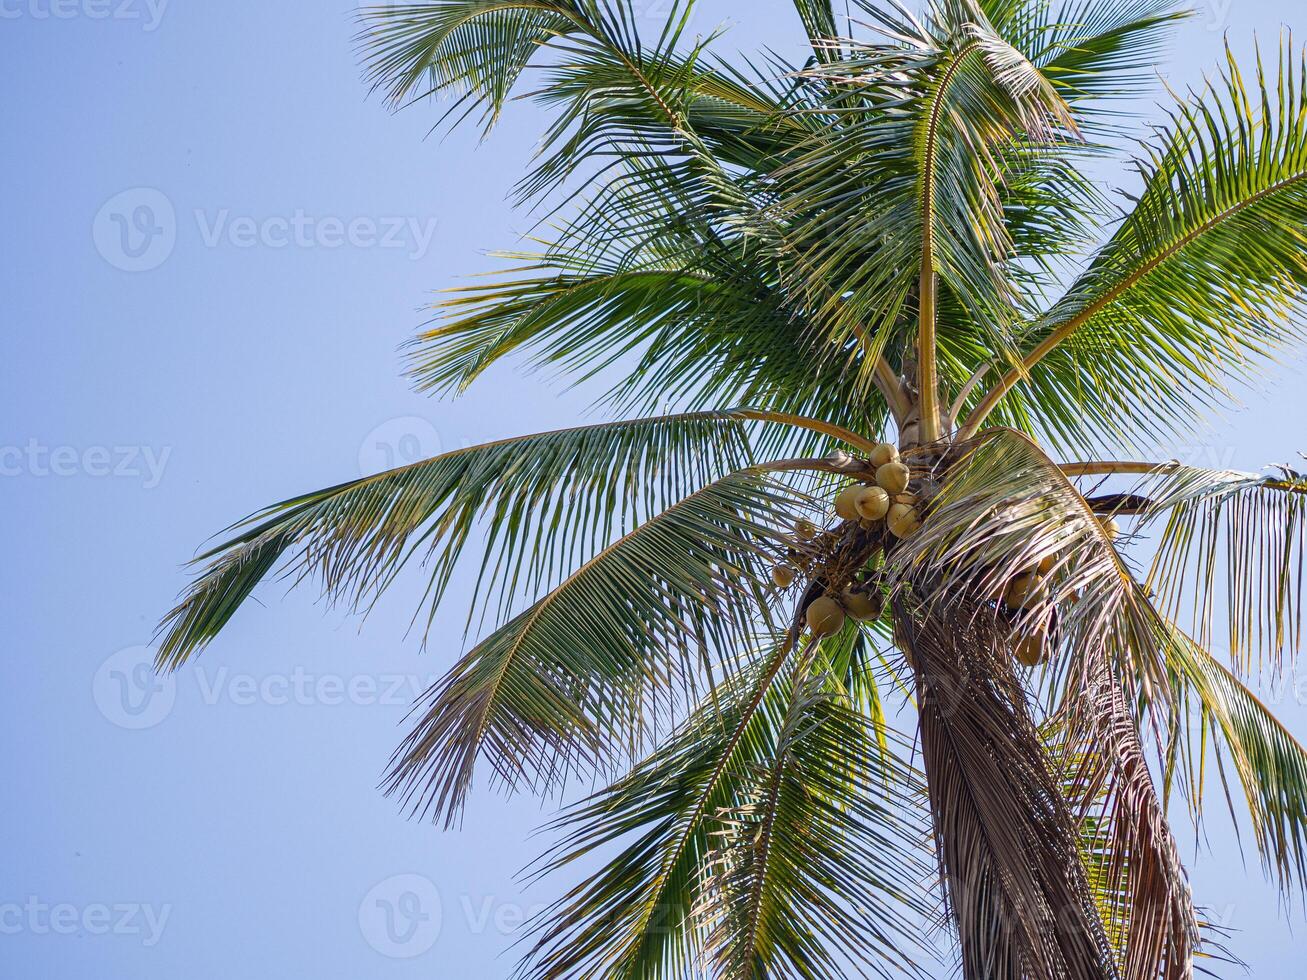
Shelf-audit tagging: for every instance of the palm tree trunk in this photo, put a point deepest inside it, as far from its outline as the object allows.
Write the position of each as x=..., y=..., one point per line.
x=1011, y=870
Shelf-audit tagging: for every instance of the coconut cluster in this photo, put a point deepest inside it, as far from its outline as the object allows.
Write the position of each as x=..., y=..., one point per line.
x=1033, y=645
x=887, y=499
x=874, y=512
x=862, y=602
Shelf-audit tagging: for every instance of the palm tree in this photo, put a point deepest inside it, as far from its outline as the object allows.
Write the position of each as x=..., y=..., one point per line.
x=823, y=732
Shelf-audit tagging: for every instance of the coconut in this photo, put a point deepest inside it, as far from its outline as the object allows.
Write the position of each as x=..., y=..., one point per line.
x=863, y=606
x=1047, y=563
x=1021, y=590
x=1110, y=527
x=893, y=477
x=846, y=502
x=885, y=452
x=1031, y=650
x=903, y=520
x=783, y=576
x=901, y=515
x=872, y=503
x=825, y=617
x=805, y=530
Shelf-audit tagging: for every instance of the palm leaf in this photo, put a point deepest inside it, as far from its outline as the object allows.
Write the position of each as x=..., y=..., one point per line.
x=550, y=497
x=775, y=764
x=1269, y=763
x=576, y=681
x=1250, y=528
x=1200, y=283
x=905, y=179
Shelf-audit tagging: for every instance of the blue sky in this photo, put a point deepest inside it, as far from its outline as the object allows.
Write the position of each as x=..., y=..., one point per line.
x=213, y=245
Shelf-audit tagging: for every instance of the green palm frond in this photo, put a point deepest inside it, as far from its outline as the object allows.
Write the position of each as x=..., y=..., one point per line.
x=1243, y=529
x=476, y=48
x=705, y=326
x=1090, y=49
x=577, y=680
x=1268, y=761
x=815, y=870
x=1199, y=285
x=906, y=179
x=778, y=763
x=550, y=497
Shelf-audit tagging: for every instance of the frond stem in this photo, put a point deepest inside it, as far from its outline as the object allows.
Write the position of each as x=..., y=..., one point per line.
x=844, y=435
x=927, y=373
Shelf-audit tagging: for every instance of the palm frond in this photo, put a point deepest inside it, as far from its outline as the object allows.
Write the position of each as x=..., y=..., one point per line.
x=467, y=47
x=1200, y=284
x=1133, y=857
x=576, y=681
x=1268, y=761
x=1090, y=49
x=1005, y=507
x=552, y=498
x=766, y=837
x=906, y=176
x=816, y=868
x=1244, y=528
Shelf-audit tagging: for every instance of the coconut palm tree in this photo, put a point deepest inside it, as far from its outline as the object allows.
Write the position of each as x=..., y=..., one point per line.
x=960, y=704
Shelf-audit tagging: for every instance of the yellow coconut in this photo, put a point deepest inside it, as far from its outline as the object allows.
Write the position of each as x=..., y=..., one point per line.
x=885, y=452
x=863, y=606
x=872, y=503
x=1021, y=590
x=903, y=520
x=846, y=502
x=1031, y=650
x=1110, y=527
x=901, y=514
x=893, y=477
x=783, y=576
x=825, y=617
x=1047, y=563
x=805, y=530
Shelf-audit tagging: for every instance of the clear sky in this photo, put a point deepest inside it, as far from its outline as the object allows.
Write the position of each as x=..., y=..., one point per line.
x=212, y=244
